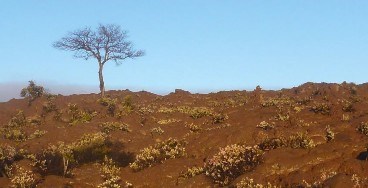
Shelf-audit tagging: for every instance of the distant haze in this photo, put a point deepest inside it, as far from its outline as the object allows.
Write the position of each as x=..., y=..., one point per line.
x=12, y=90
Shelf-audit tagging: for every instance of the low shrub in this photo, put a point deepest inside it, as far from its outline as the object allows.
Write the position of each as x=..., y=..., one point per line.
x=193, y=127
x=167, y=121
x=18, y=120
x=191, y=172
x=35, y=120
x=128, y=105
x=157, y=130
x=110, y=174
x=109, y=103
x=79, y=116
x=49, y=106
x=219, y=118
x=169, y=149
x=108, y=127
x=16, y=134
x=24, y=178
x=273, y=143
x=8, y=154
x=232, y=161
x=347, y=106
x=60, y=158
x=198, y=112
x=321, y=108
x=363, y=128
x=329, y=134
x=266, y=126
x=301, y=140
x=249, y=183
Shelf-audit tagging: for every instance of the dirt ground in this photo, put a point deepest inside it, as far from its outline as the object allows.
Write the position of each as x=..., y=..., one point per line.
x=205, y=123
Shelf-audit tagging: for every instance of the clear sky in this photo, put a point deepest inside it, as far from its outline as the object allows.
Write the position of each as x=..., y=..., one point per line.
x=195, y=45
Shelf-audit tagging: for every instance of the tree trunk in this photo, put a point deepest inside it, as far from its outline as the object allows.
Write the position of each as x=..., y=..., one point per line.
x=102, y=84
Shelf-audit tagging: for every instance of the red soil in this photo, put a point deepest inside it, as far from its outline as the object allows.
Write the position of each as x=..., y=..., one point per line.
x=333, y=163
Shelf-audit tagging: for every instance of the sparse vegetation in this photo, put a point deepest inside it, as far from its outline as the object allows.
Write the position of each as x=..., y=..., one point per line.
x=169, y=149
x=128, y=105
x=157, y=130
x=79, y=116
x=8, y=155
x=301, y=140
x=191, y=172
x=249, y=183
x=266, y=126
x=108, y=127
x=232, y=161
x=321, y=108
x=110, y=174
x=62, y=157
x=193, y=127
x=363, y=128
x=167, y=121
x=23, y=179
x=281, y=124
x=273, y=143
x=109, y=103
x=329, y=134
x=219, y=118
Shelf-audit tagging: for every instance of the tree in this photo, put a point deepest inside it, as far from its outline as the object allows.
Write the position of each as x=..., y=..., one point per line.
x=32, y=91
x=107, y=43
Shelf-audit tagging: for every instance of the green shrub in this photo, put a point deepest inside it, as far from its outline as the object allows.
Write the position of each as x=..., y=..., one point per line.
x=194, y=128
x=79, y=116
x=109, y=103
x=110, y=174
x=232, y=161
x=167, y=121
x=301, y=140
x=24, y=179
x=266, y=126
x=198, y=112
x=249, y=183
x=169, y=149
x=49, y=105
x=276, y=102
x=329, y=134
x=32, y=91
x=321, y=108
x=35, y=120
x=219, y=118
x=8, y=155
x=128, y=105
x=347, y=106
x=18, y=120
x=37, y=134
x=62, y=157
x=157, y=130
x=273, y=143
x=363, y=128
x=16, y=134
x=107, y=127
x=191, y=172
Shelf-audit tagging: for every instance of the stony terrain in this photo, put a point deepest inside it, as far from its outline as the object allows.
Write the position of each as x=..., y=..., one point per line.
x=314, y=135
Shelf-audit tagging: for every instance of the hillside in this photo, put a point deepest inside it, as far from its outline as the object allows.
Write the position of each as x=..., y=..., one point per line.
x=311, y=135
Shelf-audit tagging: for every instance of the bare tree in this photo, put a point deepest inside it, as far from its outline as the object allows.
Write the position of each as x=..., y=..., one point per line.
x=107, y=43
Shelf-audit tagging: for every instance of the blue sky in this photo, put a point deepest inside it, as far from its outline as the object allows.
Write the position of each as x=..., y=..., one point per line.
x=196, y=45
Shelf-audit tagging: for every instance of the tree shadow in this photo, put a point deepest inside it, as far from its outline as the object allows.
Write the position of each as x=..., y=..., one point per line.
x=363, y=156
x=122, y=158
